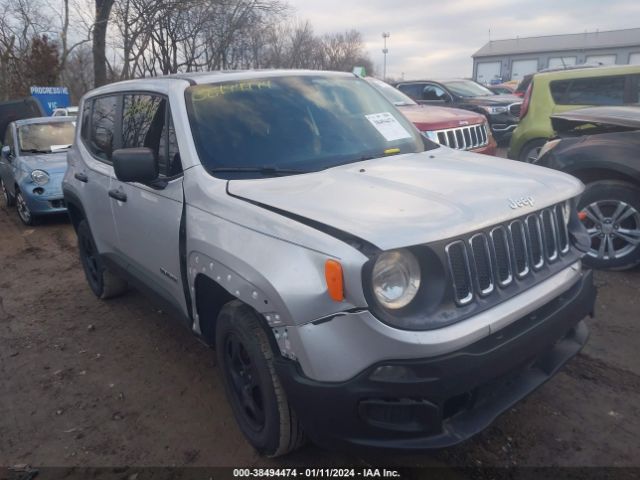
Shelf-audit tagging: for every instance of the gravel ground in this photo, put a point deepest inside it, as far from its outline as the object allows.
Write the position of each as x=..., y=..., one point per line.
x=91, y=383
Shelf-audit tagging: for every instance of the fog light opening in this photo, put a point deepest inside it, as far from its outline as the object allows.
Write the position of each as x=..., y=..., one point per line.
x=38, y=190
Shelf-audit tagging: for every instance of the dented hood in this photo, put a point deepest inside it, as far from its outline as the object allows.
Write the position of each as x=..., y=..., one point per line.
x=411, y=199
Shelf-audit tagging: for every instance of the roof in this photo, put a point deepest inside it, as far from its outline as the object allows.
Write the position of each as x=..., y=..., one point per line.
x=576, y=41
x=194, y=78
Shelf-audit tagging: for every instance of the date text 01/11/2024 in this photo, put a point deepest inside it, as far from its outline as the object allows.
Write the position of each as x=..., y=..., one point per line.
x=315, y=473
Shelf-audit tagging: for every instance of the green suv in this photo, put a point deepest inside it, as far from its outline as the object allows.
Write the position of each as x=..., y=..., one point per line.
x=556, y=92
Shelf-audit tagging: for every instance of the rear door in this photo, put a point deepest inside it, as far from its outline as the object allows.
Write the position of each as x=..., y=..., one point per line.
x=148, y=217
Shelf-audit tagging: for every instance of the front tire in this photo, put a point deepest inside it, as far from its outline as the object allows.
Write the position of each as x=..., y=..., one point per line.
x=103, y=283
x=611, y=213
x=24, y=212
x=259, y=403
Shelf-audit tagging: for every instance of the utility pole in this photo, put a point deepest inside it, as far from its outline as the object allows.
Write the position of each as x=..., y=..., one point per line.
x=385, y=50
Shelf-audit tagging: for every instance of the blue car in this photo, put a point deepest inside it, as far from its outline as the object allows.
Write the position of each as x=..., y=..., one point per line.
x=33, y=163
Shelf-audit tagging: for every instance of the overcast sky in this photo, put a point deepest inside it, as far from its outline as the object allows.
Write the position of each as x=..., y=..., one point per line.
x=437, y=38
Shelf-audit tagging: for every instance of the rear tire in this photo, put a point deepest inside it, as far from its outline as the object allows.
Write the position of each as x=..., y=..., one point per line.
x=103, y=283
x=613, y=222
x=9, y=200
x=259, y=403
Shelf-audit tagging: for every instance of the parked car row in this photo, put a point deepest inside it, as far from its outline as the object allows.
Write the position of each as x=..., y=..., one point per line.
x=367, y=279
x=502, y=111
x=344, y=258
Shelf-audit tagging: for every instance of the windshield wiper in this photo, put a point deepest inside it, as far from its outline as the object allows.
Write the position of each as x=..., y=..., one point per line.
x=34, y=150
x=264, y=170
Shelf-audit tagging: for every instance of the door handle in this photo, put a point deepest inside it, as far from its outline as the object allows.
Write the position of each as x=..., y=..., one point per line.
x=82, y=177
x=118, y=195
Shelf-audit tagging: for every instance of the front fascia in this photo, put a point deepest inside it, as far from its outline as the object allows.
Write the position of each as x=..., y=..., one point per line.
x=337, y=350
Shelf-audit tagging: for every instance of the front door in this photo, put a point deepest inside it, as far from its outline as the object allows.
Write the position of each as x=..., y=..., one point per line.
x=147, y=217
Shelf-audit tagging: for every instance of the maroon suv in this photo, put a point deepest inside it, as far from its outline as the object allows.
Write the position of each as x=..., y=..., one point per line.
x=452, y=127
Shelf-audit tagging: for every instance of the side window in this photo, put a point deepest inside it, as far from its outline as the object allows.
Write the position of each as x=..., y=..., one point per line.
x=146, y=123
x=102, y=127
x=86, y=120
x=413, y=90
x=590, y=91
x=433, y=92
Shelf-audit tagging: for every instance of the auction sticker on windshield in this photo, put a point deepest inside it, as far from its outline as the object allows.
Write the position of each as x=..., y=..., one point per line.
x=388, y=126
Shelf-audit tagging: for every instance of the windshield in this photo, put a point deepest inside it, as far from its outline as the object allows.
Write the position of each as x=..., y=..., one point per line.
x=394, y=95
x=45, y=137
x=467, y=88
x=287, y=125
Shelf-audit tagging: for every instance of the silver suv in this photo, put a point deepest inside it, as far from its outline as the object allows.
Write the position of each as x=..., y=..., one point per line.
x=362, y=286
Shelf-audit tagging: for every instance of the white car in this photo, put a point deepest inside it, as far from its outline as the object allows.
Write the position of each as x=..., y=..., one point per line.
x=65, y=112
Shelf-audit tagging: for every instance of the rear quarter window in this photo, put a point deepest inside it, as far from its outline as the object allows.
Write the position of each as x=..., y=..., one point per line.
x=589, y=91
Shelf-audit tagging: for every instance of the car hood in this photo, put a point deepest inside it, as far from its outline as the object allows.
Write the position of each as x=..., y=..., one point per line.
x=427, y=117
x=49, y=162
x=412, y=199
x=626, y=117
x=493, y=100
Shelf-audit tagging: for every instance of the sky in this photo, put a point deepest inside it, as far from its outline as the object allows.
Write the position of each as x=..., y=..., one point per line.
x=436, y=39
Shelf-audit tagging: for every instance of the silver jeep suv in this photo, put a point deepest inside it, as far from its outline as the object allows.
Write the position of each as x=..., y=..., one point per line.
x=362, y=286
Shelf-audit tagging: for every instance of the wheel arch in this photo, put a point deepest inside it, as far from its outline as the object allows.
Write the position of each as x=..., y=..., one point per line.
x=596, y=173
x=74, y=209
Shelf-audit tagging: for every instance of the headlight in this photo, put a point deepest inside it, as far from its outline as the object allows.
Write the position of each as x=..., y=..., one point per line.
x=40, y=177
x=396, y=278
x=547, y=147
x=433, y=136
x=494, y=110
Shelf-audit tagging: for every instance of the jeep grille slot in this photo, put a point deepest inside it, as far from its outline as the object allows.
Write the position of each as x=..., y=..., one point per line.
x=561, y=226
x=482, y=263
x=500, y=243
x=460, y=272
x=535, y=240
x=549, y=233
x=519, y=242
x=506, y=254
x=464, y=138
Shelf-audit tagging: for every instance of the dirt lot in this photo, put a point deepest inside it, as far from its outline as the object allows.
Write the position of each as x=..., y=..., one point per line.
x=92, y=383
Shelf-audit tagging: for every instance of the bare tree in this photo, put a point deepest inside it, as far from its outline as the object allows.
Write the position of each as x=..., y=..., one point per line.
x=103, y=10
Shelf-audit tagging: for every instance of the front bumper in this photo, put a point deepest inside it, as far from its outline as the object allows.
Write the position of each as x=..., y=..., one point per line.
x=444, y=400
x=49, y=201
x=503, y=125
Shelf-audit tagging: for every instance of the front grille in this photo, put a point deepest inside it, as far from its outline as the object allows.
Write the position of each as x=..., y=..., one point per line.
x=464, y=138
x=505, y=253
x=514, y=109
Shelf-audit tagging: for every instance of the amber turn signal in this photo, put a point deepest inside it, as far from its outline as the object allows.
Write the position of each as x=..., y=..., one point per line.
x=335, y=283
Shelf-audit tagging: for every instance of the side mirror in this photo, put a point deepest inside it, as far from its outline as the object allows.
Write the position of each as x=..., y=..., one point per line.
x=6, y=153
x=135, y=165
